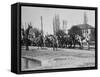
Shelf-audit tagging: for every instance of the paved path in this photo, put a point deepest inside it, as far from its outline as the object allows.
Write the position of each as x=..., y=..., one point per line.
x=62, y=58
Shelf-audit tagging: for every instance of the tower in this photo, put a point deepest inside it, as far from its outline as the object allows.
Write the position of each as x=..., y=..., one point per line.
x=56, y=24
x=64, y=25
x=41, y=25
x=85, y=18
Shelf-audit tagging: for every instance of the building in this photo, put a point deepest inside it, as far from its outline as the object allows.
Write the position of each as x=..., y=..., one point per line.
x=56, y=24
x=86, y=29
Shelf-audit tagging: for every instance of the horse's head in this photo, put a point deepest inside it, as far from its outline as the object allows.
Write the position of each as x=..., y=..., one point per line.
x=78, y=38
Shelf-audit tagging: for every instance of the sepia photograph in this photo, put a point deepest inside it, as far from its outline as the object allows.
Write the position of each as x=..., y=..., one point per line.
x=57, y=38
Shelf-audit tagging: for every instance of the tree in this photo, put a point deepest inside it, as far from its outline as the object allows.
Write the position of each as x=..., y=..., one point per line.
x=37, y=32
x=60, y=33
x=26, y=36
x=22, y=36
x=75, y=30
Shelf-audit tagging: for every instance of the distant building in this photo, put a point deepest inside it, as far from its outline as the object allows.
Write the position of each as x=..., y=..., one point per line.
x=64, y=25
x=56, y=24
x=86, y=29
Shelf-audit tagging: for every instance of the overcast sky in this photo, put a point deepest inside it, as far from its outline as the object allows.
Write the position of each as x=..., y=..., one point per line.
x=72, y=16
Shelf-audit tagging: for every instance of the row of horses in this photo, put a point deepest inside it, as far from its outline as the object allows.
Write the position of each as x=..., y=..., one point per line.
x=67, y=41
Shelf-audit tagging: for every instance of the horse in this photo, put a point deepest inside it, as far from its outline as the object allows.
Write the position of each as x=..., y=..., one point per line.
x=63, y=41
x=83, y=40
x=51, y=41
x=78, y=41
x=48, y=41
x=71, y=41
x=68, y=41
x=86, y=41
x=39, y=41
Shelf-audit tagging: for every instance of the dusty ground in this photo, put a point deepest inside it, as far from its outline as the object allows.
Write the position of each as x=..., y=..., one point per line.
x=62, y=58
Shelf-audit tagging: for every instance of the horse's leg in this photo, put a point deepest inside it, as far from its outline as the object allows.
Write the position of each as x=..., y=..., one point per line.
x=74, y=44
x=81, y=43
x=88, y=46
x=38, y=46
x=70, y=44
x=26, y=41
x=56, y=47
x=53, y=48
x=67, y=44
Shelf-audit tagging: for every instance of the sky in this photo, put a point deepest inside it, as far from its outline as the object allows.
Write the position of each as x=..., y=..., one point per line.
x=72, y=16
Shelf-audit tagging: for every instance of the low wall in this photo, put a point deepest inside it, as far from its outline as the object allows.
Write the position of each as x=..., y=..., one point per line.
x=30, y=63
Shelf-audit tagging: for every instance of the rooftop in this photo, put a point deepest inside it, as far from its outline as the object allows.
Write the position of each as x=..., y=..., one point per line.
x=84, y=26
